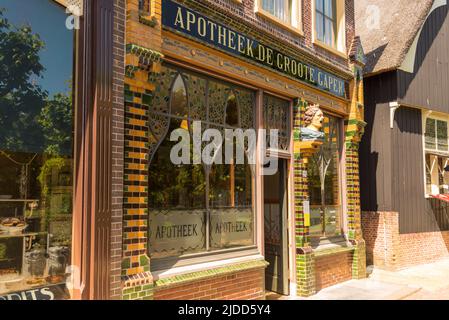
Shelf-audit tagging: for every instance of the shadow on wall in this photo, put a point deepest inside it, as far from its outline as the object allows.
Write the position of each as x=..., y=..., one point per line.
x=430, y=31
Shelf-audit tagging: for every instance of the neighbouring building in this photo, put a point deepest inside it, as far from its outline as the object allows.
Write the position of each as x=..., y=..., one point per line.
x=404, y=153
x=226, y=231
x=61, y=148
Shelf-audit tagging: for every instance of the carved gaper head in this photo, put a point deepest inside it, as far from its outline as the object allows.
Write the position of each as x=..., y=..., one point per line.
x=314, y=117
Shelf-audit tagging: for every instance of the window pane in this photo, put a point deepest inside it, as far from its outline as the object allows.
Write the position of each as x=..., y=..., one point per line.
x=319, y=27
x=276, y=116
x=430, y=137
x=442, y=135
x=187, y=200
x=324, y=182
x=36, y=146
x=329, y=34
x=179, y=98
x=176, y=199
x=329, y=8
x=279, y=8
x=232, y=112
x=319, y=5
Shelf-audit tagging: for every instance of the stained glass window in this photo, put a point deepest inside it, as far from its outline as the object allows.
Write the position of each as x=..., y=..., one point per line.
x=277, y=116
x=197, y=208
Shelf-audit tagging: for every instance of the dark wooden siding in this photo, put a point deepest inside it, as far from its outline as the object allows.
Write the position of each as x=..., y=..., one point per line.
x=428, y=87
x=416, y=213
x=375, y=148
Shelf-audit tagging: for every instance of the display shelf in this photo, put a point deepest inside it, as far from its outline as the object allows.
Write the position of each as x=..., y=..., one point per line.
x=19, y=200
x=19, y=235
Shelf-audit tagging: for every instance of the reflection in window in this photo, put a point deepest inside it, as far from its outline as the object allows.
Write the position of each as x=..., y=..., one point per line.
x=324, y=182
x=197, y=208
x=326, y=21
x=36, y=145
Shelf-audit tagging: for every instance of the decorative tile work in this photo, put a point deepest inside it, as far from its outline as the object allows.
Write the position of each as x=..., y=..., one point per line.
x=304, y=257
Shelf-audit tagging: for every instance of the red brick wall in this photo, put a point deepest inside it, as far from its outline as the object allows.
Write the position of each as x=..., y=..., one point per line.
x=421, y=248
x=248, y=285
x=387, y=249
x=381, y=234
x=332, y=269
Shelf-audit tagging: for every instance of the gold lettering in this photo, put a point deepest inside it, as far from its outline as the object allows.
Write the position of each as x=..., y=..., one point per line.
x=249, y=47
x=221, y=35
x=213, y=26
x=231, y=39
x=286, y=64
x=270, y=56
x=179, y=20
x=320, y=80
x=312, y=74
x=190, y=19
x=202, y=27
x=300, y=70
x=261, y=53
x=241, y=43
x=279, y=61
x=294, y=67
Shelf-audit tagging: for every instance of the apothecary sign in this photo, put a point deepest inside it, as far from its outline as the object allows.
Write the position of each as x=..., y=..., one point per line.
x=188, y=22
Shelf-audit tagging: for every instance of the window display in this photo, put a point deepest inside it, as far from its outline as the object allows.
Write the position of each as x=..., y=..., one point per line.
x=197, y=208
x=36, y=152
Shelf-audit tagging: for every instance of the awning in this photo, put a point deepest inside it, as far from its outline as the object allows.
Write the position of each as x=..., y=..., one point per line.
x=442, y=197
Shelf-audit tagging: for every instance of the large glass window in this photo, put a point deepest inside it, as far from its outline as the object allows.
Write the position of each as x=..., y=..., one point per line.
x=326, y=21
x=198, y=208
x=436, y=156
x=324, y=182
x=277, y=117
x=36, y=149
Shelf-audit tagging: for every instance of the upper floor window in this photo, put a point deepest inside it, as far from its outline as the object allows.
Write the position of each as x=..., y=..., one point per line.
x=326, y=21
x=284, y=12
x=330, y=24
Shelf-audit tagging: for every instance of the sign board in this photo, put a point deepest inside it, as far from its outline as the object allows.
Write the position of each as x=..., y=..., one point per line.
x=182, y=20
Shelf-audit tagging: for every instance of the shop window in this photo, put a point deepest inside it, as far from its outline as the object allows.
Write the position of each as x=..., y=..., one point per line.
x=197, y=208
x=324, y=183
x=436, y=156
x=330, y=24
x=36, y=149
x=277, y=117
x=284, y=12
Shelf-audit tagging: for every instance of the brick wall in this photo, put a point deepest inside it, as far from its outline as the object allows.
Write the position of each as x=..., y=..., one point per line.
x=247, y=285
x=117, y=146
x=245, y=11
x=387, y=249
x=333, y=269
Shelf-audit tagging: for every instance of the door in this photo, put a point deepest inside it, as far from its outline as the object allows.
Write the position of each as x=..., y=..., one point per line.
x=275, y=226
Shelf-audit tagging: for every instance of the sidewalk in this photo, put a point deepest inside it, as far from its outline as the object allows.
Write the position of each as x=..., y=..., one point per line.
x=424, y=282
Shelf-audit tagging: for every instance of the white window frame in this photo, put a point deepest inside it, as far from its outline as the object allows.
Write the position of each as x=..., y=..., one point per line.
x=295, y=24
x=433, y=152
x=340, y=42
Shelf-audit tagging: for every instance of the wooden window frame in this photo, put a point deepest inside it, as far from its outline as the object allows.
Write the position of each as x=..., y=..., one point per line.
x=339, y=48
x=295, y=24
x=163, y=265
x=433, y=152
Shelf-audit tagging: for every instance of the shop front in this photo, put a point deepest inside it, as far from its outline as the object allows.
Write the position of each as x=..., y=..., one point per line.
x=233, y=229
x=49, y=116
